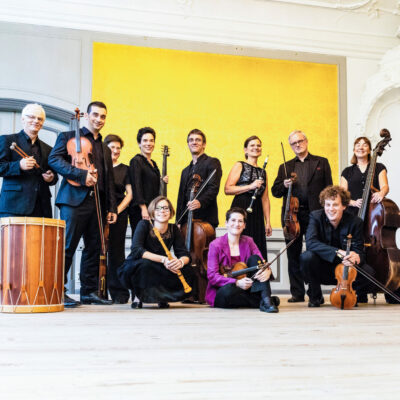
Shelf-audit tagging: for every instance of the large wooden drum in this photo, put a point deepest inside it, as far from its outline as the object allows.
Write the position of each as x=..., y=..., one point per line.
x=31, y=265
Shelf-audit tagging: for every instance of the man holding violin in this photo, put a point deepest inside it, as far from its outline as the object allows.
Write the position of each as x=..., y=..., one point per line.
x=313, y=175
x=25, y=171
x=326, y=238
x=77, y=202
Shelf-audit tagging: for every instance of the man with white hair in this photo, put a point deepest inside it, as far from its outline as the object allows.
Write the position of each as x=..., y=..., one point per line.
x=313, y=175
x=25, y=190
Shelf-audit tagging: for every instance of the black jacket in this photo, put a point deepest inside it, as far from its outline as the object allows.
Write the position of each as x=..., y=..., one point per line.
x=320, y=177
x=319, y=235
x=68, y=194
x=208, y=197
x=20, y=188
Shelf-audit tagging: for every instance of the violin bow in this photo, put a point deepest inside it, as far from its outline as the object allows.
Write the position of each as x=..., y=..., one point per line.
x=284, y=160
x=371, y=279
x=261, y=266
x=198, y=192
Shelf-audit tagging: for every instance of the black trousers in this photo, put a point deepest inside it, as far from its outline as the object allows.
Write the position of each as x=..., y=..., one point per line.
x=82, y=221
x=293, y=254
x=318, y=271
x=116, y=256
x=37, y=211
x=135, y=215
x=230, y=296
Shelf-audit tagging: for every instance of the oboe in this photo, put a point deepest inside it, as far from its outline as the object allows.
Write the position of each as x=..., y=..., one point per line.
x=250, y=207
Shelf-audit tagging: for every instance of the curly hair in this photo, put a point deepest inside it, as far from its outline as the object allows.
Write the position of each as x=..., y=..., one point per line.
x=331, y=192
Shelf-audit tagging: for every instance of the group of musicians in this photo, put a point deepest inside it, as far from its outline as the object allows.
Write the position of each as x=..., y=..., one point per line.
x=326, y=215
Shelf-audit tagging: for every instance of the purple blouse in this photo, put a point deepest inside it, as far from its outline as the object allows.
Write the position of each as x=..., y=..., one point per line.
x=219, y=254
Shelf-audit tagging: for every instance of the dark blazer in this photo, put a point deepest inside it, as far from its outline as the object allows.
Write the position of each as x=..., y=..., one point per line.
x=320, y=177
x=20, y=188
x=71, y=195
x=319, y=235
x=208, y=197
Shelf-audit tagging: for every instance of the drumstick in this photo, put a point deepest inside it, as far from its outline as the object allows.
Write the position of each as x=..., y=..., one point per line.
x=18, y=150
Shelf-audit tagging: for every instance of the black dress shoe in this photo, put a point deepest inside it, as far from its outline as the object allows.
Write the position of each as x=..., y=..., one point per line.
x=267, y=305
x=275, y=300
x=362, y=298
x=137, y=304
x=294, y=299
x=92, y=298
x=70, y=303
x=120, y=300
x=316, y=303
x=163, y=304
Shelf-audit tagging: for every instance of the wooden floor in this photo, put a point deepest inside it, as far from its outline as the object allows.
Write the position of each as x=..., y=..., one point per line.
x=194, y=352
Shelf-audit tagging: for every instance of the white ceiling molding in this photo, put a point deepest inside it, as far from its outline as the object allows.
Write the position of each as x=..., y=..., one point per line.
x=371, y=7
x=285, y=25
x=385, y=80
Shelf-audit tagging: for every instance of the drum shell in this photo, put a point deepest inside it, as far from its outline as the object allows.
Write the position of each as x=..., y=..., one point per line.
x=32, y=264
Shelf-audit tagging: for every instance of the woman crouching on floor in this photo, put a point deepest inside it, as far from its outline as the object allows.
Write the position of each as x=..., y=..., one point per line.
x=147, y=271
x=251, y=291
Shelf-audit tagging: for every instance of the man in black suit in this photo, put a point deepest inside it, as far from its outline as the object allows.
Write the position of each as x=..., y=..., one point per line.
x=77, y=203
x=326, y=238
x=313, y=175
x=205, y=206
x=25, y=189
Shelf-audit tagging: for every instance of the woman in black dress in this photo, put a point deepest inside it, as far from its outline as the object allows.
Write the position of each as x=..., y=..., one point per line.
x=147, y=271
x=243, y=179
x=116, y=241
x=144, y=176
x=353, y=178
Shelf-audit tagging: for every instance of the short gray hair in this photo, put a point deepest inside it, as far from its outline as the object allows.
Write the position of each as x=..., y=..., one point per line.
x=297, y=131
x=25, y=110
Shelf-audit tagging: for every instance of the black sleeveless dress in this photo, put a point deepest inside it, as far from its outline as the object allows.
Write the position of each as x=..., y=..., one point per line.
x=255, y=227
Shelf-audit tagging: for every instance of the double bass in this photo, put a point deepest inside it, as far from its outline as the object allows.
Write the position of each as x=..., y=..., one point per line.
x=198, y=236
x=381, y=221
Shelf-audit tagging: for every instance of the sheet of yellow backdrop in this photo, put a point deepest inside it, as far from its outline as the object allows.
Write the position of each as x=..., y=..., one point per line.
x=228, y=97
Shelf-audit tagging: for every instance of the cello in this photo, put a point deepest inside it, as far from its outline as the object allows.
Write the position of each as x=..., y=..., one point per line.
x=198, y=235
x=381, y=221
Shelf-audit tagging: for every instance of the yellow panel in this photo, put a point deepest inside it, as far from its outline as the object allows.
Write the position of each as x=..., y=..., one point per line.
x=228, y=97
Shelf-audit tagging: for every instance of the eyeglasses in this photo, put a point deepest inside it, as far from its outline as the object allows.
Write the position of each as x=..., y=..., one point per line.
x=33, y=117
x=162, y=208
x=297, y=143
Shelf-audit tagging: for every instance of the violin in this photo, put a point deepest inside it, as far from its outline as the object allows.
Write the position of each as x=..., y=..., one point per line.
x=165, y=154
x=198, y=236
x=79, y=149
x=343, y=296
x=291, y=229
x=291, y=225
x=381, y=221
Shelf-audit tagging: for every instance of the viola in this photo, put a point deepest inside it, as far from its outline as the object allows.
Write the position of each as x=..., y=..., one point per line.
x=79, y=149
x=198, y=236
x=343, y=296
x=165, y=154
x=381, y=221
x=291, y=225
x=240, y=269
